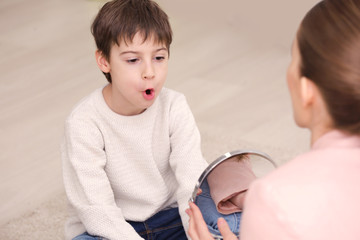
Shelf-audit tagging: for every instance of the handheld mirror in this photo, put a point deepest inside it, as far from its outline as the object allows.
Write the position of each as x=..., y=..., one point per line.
x=221, y=188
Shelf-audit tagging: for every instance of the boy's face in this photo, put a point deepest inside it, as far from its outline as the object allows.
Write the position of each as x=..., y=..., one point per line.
x=138, y=70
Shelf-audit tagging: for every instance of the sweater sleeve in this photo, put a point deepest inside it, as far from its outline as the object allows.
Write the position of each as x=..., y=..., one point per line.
x=186, y=158
x=87, y=185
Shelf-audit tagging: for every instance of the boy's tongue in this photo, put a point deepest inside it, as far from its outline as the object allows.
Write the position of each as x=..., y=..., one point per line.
x=149, y=94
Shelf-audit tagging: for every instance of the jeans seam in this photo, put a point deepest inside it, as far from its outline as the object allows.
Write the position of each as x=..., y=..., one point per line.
x=148, y=232
x=168, y=227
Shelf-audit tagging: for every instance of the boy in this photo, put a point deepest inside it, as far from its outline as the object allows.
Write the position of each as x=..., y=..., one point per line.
x=131, y=154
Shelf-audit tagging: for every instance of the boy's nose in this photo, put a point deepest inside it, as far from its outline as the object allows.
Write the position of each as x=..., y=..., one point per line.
x=148, y=76
x=148, y=72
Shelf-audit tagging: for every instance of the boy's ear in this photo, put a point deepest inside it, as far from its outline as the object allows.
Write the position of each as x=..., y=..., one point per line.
x=307, y=91
x=102, y=62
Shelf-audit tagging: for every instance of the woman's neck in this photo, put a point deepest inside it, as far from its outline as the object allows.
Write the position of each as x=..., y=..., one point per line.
x=320, y=122
x=318, y=131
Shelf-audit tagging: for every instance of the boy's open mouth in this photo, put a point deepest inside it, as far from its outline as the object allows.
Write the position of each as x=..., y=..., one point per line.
x=148, y=91
x=149, y=94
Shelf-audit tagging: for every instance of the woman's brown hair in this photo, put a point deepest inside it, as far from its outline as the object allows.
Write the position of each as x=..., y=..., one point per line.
x=120, y=20
x=329, y=44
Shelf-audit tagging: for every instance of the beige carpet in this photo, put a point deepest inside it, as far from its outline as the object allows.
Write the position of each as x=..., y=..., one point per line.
x=44, y=222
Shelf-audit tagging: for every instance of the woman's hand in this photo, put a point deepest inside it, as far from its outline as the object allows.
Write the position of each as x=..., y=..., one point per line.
x=225, y=230
x=198, y=229
x=197, y=226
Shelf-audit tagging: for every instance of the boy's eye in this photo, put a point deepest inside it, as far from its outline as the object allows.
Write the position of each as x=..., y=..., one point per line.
x=159, y=58
x=133, y=60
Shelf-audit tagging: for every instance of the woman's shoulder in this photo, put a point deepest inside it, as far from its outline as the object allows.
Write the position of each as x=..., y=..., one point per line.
x=312, y=178
x=315, y=184
x=316, y=165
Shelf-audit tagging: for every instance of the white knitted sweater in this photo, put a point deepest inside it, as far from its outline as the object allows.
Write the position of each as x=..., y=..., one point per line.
x=128, y=167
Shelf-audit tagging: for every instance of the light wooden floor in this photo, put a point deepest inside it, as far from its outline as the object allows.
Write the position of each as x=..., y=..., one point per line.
x=229, y=60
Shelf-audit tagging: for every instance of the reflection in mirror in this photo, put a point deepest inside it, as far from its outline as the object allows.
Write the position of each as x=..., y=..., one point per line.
x=221, y=188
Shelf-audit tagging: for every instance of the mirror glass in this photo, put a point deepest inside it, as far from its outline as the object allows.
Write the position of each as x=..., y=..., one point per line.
x=221, y=188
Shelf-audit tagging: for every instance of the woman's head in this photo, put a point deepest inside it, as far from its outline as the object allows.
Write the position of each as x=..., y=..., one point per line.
x=328, y=42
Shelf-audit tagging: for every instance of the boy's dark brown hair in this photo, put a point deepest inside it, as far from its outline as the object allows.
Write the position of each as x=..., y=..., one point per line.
x=120, y=20
x=329, y=44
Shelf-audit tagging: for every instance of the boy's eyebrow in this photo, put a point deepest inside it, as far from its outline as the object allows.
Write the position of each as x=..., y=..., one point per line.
x=161, y=49
x=135, y=52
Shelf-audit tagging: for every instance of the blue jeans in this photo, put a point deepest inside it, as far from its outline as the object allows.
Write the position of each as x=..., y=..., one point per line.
x=165, y=225
x=211, y=215
x=86, y=236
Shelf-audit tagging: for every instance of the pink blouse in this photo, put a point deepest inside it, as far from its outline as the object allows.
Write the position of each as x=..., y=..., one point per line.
x=315, y=196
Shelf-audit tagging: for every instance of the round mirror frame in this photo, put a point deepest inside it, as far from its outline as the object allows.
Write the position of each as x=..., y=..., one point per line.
x=222, y=158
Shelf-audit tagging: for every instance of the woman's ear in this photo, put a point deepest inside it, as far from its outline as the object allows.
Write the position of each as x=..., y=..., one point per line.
x=307, y=91
x=102, y=62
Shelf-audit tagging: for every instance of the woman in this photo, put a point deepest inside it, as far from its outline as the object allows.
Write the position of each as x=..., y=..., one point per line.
x=316, y=195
